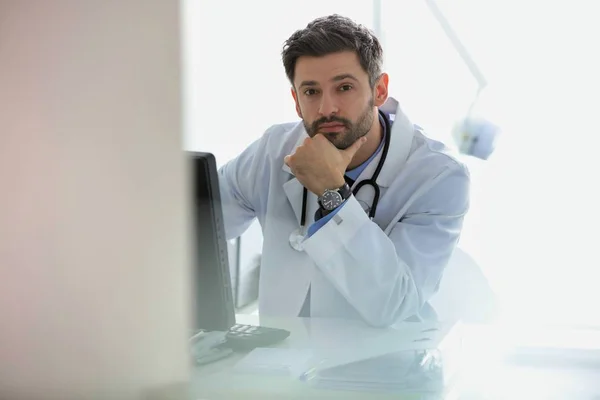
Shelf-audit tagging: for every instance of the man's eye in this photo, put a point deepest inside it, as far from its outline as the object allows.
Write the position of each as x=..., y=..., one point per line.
x=345, y=88
x=310, y=92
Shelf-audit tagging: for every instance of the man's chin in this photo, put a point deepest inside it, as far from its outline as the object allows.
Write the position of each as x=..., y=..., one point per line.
x=337, y=139
x=340, y=143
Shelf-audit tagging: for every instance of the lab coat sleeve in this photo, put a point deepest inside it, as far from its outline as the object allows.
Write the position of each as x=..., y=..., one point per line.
x=389, y=277
x=318, y=224
x=240, y=201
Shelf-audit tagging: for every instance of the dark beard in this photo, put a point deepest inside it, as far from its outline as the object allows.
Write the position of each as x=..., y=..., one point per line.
x=354, y=131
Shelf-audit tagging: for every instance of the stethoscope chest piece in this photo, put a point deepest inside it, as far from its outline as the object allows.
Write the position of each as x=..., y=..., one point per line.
x=296, y=239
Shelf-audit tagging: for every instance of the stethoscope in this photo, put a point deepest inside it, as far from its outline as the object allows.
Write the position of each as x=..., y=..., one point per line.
x=297, y=237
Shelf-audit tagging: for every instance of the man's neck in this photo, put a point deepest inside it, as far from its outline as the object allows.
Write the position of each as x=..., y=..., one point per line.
x=374, y=137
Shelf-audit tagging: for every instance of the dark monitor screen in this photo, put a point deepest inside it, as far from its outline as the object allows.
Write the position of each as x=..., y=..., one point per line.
x=212, y=293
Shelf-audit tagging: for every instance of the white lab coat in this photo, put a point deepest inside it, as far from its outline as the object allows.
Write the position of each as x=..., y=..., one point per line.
x=382, y=271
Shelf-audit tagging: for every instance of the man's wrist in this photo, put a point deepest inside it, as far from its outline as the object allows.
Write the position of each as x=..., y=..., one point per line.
x=335, y=184
x=334, y=198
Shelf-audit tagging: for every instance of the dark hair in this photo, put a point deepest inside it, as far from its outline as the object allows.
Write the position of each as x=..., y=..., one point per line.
x=333, y=34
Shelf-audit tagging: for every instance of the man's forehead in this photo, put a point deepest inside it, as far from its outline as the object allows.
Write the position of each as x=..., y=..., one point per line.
x=329, y=68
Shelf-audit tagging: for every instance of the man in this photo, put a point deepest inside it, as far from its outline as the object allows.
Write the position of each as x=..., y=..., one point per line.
x=303, y=177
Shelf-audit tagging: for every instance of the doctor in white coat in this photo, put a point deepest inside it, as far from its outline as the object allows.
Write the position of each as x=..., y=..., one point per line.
x=332, y=247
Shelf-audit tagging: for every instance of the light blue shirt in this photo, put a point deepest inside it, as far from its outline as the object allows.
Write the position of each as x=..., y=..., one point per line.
x=352, y=174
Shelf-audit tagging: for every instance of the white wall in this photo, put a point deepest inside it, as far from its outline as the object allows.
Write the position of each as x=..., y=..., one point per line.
x=93, y=260
x=427, y=75
x=235, y=82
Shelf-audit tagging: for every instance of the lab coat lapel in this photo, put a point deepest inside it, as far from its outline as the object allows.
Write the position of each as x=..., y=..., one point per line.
x=400, y=143
x=294, y=189
x=402, y=135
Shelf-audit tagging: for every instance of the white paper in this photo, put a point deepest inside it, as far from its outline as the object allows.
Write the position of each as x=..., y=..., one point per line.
x=349, y=357
x=275, y=361
x=400, y=372
x=338, y=345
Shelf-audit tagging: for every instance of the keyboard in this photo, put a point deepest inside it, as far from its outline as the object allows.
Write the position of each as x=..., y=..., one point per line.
x=242, y=337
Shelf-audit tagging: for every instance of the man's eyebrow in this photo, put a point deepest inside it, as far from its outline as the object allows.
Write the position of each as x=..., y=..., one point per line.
x=308, y=83
x=341, y=77
x=336, y=78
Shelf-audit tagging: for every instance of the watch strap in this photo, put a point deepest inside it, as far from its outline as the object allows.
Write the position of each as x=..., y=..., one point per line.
x=320, y=213
x=344, y=191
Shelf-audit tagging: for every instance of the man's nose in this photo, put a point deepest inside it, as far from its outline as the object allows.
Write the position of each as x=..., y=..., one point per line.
x=328, y=106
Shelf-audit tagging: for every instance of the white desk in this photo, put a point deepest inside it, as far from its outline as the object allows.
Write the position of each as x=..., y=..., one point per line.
x=218, y=381
x=492, y=378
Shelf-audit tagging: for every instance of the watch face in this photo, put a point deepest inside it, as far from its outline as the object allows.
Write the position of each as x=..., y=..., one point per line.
x=331, y=200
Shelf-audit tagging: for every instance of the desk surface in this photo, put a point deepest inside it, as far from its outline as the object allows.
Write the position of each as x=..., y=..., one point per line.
x=486, y=374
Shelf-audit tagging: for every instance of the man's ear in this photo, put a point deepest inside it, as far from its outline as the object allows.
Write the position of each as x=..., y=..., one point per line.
x=380, y=94
x=295, y=96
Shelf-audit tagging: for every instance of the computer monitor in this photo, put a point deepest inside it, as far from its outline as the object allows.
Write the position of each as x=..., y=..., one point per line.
x=213, y=306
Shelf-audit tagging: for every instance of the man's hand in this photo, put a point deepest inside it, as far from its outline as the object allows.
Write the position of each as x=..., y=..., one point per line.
x=319, y=165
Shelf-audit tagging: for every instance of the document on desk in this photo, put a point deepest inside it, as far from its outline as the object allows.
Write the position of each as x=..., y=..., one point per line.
x=275, y=361
x=403, y=359
x=406, y=371
x=402, y=372
x=336, y=348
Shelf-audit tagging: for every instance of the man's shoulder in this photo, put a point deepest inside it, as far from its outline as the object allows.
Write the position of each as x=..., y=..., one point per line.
x=285, y=131
x=437, y=154
x=281, y=139
x=442, y=173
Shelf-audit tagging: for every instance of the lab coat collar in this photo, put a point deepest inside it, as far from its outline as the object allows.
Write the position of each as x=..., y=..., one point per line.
x=400, y=145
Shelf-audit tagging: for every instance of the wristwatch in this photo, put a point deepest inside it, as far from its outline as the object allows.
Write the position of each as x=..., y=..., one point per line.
x=333, y=198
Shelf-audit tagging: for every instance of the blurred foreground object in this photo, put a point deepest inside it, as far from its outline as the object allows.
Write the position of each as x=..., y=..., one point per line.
x=94, y=282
